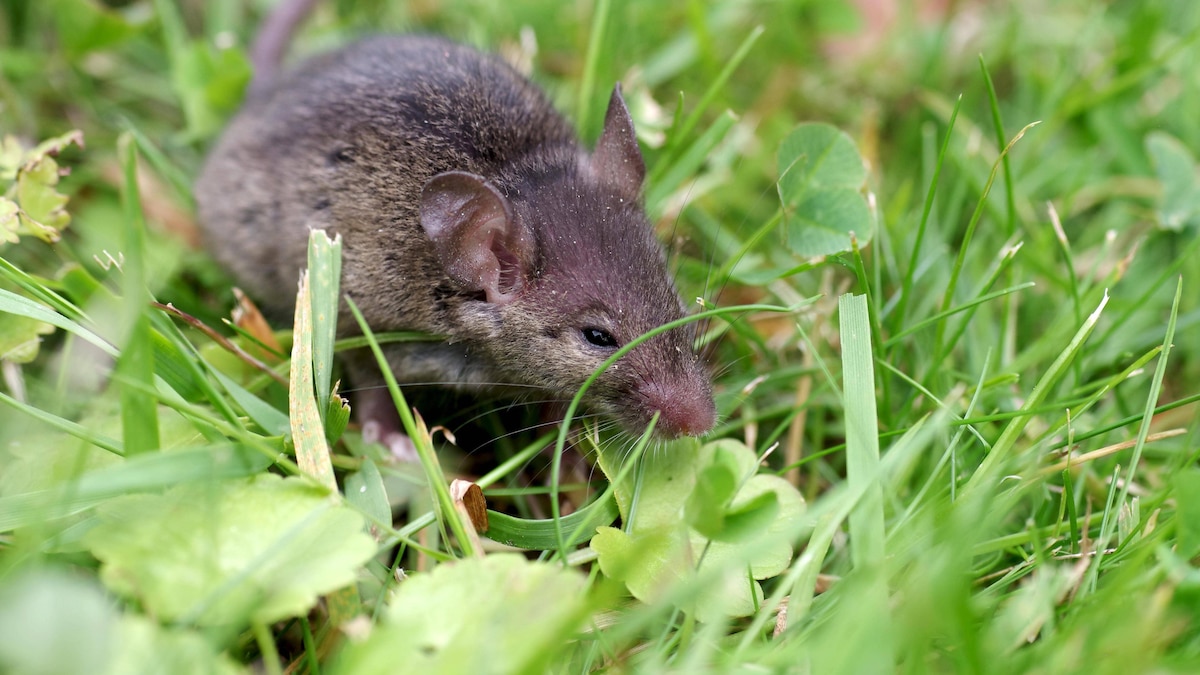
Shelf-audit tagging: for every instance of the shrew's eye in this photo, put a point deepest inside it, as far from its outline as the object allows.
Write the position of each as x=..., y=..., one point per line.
x=600, y=338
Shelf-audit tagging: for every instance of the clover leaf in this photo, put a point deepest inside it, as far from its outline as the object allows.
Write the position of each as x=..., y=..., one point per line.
x=821, y=182
x=696, y=510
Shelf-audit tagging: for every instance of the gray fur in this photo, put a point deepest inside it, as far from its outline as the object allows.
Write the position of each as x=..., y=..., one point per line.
x=349, y=141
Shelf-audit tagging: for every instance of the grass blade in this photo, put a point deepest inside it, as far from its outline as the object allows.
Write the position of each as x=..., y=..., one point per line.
x=998, y=124
x=308, y=431
x=688, y=162
x=447, y=515
x=12, y=303
x=960, y=259
x=139, y=412
x=1156, y=384
x=325, y=272
x=591, y=64
x=863, y=473
x=679, y=134
x=906, y=288
x=987, y=474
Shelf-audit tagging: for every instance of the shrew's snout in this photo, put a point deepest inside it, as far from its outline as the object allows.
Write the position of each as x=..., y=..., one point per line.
x=685, y=409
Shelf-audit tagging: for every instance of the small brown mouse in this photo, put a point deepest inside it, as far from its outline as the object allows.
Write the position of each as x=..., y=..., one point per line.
x=469, y=210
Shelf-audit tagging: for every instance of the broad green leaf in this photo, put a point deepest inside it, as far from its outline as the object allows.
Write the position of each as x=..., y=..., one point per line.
x=643, y=559
x=90, y=436
x=821, y=182
x=499, y=614
x=762, y=496
x=44, y=458
x=143, y=647
x=48, y=475
x=20, y=337
x=53, y=621
x=230, y=73
x=1176, y=168
x=190, y=70
x=255, y=550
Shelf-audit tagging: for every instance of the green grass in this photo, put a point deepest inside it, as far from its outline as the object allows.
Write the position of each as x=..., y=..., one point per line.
x=1028, y=291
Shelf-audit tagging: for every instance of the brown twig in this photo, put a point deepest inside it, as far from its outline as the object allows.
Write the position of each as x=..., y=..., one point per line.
x=1076, y=460
x=221, y=340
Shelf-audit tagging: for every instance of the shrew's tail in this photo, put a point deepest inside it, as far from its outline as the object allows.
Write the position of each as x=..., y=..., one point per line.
x=273, y=39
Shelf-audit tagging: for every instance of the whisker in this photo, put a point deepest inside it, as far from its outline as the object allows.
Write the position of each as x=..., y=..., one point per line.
x=532, y=427
x=727, y=366
x=515, y=404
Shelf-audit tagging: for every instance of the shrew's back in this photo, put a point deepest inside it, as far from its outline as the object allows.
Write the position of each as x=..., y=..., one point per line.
x=345, y=143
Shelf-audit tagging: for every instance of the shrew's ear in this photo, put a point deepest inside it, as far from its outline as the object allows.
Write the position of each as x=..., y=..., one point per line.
x=617, y=158
x=478, y=240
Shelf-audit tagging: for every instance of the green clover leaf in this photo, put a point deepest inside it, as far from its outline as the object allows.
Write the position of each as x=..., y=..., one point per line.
x=700, y=509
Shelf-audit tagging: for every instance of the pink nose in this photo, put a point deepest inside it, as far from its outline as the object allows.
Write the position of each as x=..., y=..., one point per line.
x=682, y=412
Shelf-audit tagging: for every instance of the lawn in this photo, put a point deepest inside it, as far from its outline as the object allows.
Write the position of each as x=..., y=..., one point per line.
x=944, y=268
